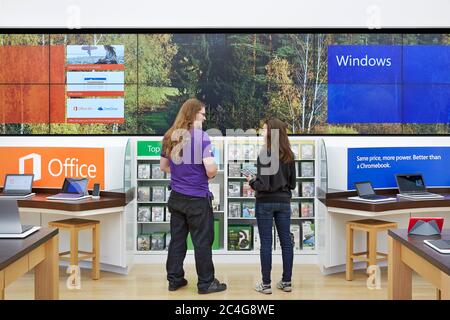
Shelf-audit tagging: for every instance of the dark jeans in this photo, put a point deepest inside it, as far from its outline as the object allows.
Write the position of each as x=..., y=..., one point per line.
x=194, y=215
x=281, y=212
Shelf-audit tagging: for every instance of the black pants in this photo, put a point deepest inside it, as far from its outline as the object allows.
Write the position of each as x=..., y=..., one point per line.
x=194, y=215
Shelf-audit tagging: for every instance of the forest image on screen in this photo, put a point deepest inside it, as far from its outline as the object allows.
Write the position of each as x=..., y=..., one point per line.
x=135, y=83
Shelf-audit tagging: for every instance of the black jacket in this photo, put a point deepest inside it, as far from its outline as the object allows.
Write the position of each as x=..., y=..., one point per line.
x=276, y=187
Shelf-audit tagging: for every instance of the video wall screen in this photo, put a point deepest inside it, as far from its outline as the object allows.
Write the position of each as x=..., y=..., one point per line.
x=134, y=83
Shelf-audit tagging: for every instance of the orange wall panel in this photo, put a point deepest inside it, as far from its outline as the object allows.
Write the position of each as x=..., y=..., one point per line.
x=58, y=103
x=24, y=64
x=57, y=64
x=24, y=103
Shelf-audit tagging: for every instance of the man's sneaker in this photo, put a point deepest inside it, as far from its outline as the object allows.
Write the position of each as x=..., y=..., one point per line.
x=285, y=286
x=215, y=286
x=177, y=285
x=263, y=288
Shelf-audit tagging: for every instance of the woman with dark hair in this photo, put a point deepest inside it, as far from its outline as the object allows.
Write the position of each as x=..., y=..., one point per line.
x=187, y=155
x=273, y=183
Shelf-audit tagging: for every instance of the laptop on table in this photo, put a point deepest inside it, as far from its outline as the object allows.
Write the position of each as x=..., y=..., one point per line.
x=17, y=186
x=366, y=192
x=412, y=186
x=72, y=189
x=10, y=226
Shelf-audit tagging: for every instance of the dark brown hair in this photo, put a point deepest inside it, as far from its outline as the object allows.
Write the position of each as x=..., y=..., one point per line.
x=286, y=154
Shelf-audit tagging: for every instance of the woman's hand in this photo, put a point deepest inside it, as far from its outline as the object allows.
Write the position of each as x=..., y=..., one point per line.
x=249, y=178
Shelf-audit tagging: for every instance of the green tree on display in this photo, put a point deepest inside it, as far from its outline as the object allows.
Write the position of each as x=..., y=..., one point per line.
x=306, y=55
x=155, y=54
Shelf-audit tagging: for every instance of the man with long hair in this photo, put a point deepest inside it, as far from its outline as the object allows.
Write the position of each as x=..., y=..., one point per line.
x=187, y=155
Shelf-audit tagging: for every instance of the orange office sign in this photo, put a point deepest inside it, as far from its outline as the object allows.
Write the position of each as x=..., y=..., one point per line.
x=50, y=165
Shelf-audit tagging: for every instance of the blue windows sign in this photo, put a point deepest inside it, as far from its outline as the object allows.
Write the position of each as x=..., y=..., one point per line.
x=388, y=84
x=380, y=165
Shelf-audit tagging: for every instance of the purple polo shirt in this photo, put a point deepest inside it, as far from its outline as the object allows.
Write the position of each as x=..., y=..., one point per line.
x=189, y=177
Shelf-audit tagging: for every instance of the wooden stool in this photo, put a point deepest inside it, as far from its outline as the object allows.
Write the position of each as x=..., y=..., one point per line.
x=372, y=227
x=74, y=226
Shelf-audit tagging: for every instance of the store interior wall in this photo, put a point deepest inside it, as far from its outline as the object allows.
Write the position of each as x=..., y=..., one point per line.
x=232, y=13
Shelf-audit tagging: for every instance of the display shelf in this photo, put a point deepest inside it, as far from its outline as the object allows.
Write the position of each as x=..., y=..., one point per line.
x=228, y=252
x=303, y=198
x=152, y=202
x=242, y=198
x=221, y=182
x=254, y=218
x=274, y=252
x=154, y=222
x=164, y=252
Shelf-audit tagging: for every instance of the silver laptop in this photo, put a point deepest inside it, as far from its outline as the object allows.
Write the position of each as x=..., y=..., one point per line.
x=17, y=185
x=413, y=186
x=73, y=189
x=10, y=218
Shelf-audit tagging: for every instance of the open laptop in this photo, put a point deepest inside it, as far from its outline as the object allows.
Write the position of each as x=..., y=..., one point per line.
x=17, y=186
x=365, y=191
x=10, y=226
x=72, y=189
x=412, y=186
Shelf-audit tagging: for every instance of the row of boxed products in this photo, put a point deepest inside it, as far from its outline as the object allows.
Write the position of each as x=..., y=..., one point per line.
x=151, y=171
x=157, y=194
x=162, y=194
x=305, y=169
x=160, y=240
x=235, y=187
x=248, y=151
x=246, y=209
x=246, y=237
x=153, y=214
x=240, y=237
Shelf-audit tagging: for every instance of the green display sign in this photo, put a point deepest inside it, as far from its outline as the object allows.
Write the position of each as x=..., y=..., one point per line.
x=149, y=148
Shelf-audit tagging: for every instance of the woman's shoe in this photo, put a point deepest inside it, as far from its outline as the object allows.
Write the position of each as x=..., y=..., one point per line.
x=263, y=288
x=285, y=286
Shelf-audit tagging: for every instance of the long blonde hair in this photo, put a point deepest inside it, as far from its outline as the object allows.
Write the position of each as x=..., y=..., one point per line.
x=184, y=120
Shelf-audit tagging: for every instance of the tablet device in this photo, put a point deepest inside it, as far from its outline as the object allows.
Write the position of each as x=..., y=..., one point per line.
x=247, y=172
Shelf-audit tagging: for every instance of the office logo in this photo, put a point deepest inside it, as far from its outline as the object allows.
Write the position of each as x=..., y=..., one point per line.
x=51, y=165
x=37, y=169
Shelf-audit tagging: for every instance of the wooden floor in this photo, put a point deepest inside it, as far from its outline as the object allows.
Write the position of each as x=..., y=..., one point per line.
x=148, y=282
